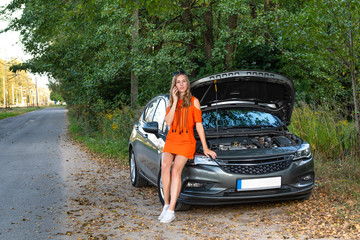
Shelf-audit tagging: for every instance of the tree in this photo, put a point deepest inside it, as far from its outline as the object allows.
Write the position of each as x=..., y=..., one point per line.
x=109, y=53
x=56, y=97
x=327, y=33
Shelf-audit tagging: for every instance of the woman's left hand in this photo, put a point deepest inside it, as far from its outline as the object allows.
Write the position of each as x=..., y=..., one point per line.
x=210, y=153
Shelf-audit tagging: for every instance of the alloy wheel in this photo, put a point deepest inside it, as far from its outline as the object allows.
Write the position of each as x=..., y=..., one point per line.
x=132, y=168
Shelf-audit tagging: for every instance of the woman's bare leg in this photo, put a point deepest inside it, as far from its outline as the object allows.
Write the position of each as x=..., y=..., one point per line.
x=166, y=162
x=179, y=163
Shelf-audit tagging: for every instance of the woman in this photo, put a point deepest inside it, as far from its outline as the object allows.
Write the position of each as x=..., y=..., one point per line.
x=182, y=114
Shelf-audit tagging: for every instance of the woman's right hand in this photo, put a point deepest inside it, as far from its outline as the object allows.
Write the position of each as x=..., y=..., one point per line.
x=174, y=94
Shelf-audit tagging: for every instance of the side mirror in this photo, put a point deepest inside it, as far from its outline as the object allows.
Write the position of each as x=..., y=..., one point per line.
x=151, y=127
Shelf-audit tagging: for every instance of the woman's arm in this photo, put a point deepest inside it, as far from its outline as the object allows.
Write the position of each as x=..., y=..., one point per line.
x=201, y=132
x=170, y=117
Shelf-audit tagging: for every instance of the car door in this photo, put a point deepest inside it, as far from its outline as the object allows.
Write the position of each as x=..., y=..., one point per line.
x=144, y=149
x=157, y=141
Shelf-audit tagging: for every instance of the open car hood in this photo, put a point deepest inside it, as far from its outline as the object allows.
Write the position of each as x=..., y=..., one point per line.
x=257, y=90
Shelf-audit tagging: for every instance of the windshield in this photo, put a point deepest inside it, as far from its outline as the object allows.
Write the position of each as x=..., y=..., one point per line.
x=236, y=118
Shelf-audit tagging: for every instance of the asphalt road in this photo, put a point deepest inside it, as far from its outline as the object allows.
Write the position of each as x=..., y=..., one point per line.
x=32, y=181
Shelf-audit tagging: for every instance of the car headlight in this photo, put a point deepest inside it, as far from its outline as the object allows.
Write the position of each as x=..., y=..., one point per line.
x=204, y=160
x=303, y=152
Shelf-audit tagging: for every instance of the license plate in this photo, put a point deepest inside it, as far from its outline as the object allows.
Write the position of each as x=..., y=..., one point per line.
x=258, y=183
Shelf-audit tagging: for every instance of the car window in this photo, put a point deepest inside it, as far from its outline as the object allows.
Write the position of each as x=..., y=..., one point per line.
x=159, y=115
x=149, y=111
x=239, y=118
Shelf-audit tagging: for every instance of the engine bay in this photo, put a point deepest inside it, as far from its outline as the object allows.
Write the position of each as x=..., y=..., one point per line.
x=257, y=142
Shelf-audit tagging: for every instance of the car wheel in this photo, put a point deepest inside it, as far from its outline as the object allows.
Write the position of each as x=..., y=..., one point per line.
x=179, y=205
x=136, y=179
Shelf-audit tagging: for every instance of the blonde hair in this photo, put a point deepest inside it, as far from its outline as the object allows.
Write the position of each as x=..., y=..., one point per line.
x=187, y=96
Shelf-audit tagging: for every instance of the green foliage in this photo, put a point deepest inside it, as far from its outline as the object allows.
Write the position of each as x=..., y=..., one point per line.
x=335, y=148
x=106, y=134
x=260, y=57
x=317, y=49
x=329, y=134
x=56, y=97
x=88, y=47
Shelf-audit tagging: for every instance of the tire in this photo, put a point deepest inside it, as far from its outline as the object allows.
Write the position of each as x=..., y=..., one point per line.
x=135, y=178
x=179, y=205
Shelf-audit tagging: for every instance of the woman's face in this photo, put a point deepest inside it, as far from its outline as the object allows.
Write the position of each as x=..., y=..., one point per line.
x=181, y=84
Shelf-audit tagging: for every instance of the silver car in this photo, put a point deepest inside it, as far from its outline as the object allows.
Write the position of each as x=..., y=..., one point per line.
x=245, y=117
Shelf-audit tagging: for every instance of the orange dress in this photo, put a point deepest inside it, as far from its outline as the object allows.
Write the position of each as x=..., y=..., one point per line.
x=180, y=139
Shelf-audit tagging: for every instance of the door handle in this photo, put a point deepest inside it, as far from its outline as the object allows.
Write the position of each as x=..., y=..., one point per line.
x=146, y=136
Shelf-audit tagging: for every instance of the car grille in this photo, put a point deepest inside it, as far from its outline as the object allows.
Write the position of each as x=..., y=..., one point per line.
x=257, y=166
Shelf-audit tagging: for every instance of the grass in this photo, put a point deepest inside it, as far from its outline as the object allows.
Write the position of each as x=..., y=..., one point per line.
x=329, y=134
x=335, y=148
x=12, y=112
x=340, y=180
x=112, y=136
x=105, y=147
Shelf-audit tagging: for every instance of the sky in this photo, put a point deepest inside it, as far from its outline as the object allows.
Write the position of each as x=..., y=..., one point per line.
x=11, y=47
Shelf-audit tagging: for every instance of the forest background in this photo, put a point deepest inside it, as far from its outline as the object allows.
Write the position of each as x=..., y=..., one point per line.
x=19, y=90
x=107, y=58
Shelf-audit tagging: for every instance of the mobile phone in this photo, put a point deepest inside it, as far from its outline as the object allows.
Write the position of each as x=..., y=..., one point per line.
x=177, y=93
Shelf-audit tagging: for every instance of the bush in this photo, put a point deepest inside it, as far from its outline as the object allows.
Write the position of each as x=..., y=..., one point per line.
x=329, y=134
x=334, y=143
x=104, y=133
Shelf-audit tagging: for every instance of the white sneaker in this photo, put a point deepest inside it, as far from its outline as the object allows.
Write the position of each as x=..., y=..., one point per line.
x=165, y=208
x=168, y=217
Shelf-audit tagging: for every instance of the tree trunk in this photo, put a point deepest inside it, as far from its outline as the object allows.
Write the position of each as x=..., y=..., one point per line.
x=353, y=79
x=208, y=36
x=6, y=99
x=7, y=105
x=354, y=86
x=267, y=5
x=134, y=77
x=186, y=18
x=230, y=47
x=356, y=102
x=253, y=9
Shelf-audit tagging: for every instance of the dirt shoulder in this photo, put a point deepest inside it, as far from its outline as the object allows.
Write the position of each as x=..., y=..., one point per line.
x=102, y=204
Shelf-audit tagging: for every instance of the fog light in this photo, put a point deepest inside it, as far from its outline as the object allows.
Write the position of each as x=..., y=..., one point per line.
x=195, y=185
x=307, y=177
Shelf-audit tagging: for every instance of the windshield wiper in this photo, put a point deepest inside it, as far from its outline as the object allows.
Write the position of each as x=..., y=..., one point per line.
x=243, y=127
x=262, y=126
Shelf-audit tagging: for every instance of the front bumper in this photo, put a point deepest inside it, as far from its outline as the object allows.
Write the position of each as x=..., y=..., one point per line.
x=210, y=185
